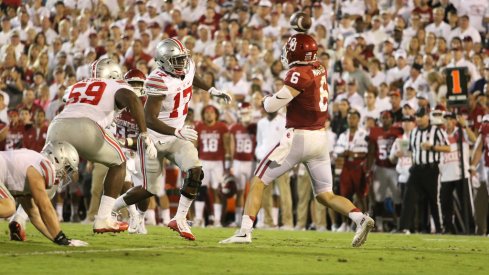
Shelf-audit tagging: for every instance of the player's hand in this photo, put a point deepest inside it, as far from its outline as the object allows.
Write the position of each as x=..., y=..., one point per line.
x=215, y=92
x=150, y=148
x=426, y=146
x=77, y=243
x=186, y=133
x=399, y=154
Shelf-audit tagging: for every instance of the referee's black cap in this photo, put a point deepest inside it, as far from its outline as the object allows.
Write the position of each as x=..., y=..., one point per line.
x=408, y=118
x=422, y=112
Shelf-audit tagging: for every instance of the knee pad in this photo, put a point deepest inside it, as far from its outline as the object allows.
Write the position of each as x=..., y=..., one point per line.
x=192, y=183
x=201, y=196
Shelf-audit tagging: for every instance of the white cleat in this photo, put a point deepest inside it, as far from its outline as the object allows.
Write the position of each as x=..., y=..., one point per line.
x=363, y=228
x=109, y=224
x=239, y=237
x=136, y=225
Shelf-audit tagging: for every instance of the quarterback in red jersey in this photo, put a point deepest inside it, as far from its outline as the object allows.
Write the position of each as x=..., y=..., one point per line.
x=243, y=144
x=385, y=176
x=213, y=146
x=305, y=140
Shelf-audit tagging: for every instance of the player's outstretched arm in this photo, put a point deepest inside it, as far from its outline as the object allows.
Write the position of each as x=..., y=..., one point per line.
x=127, y=98
x=40, y=197
x=273, y=103
x=200, y=83
x=34, y=215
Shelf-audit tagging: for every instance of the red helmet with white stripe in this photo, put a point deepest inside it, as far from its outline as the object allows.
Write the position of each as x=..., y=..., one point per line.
x=105, y=68
x=172, y=57
x=136, y=79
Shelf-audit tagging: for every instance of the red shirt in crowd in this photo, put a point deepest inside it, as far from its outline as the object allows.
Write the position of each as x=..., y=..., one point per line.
x=244, y=141
x=382, y=140
x=211, y=140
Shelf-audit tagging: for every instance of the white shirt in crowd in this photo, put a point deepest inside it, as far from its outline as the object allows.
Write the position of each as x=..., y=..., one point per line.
x=268, y=135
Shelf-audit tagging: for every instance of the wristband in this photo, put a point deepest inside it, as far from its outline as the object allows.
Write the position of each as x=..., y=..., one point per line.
x=432, y=148
x=61, y=239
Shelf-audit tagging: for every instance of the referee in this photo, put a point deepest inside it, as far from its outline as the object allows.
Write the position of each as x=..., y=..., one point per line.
x=426, y=143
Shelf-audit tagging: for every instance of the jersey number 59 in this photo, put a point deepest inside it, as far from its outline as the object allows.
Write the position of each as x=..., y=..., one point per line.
x=87, y=93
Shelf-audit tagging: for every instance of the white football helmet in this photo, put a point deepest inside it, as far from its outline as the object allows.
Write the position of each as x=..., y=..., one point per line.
x=105, y=68
x=172, y=57
x=65, y=159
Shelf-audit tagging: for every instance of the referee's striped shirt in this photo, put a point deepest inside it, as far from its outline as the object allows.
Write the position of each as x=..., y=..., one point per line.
x=432, y=134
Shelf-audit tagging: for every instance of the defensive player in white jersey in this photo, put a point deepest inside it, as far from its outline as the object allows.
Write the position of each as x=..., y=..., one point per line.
x=90, y=108
x=169, y=89
x=26, y=175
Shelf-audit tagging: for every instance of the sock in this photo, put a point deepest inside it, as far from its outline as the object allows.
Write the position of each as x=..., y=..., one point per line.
x=238, y=215
x=247, y=223
x=74, y=210
x=165, y=215
x=355, y=215
x=131, y=208
x=106, y=205
x=275, y=211
x=183, y=205
x=59, y=210
x=150, y=217
x=199, y=210
x=20, y=216
x=261, y=219
x=217, y=213
x=119, y=204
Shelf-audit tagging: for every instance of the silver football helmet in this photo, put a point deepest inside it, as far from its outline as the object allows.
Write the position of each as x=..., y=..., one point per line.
x=65, y=159
x=172, y=57
x=105, y=68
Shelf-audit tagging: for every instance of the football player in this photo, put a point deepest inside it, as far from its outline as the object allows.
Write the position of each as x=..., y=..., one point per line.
x=26, y=175
x=213, y=146
x=242, y=145
x=305, y=95
x=169, y=89
x=127, y=132
x=90, y=108
x=384, y=172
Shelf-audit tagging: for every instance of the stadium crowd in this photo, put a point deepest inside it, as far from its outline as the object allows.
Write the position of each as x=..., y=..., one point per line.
x=385, y=62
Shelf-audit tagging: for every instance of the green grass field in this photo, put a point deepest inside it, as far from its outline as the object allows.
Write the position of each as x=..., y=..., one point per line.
x=272, y=252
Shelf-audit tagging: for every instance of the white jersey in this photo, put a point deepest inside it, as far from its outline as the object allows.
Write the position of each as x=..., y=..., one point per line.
x=93, y=98
x=450, y=163
x=358, y=144
x=15, y=173
x=177, y=92
x=403, y=163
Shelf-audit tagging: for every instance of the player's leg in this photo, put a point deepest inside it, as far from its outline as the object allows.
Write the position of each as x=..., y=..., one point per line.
x=304, y=197
x=185, y=156
x=202, y=197
x=98, y=174
x=283, y=184
x=217, y=173
x=17, y=225
x=97, y=145
x=380, y=188
x=266, y=172
x=7, y=203
x=319, y=168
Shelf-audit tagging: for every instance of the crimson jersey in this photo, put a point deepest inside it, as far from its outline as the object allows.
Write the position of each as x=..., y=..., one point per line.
x=211, y=140
x=14, y=137
x=35, y=138
x=125, y=124
x=475, y=117
x=244, y=140
x=383, y=141
x=309, y=109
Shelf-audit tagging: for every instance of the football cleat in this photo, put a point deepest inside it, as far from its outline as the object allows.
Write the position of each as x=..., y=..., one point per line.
x=17, y=233
x=363, y=228
x=109, y=225
x=136, y=225
x=181, y=226
x=239, y=237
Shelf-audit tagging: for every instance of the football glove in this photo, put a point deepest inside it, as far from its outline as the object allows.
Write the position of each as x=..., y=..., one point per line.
x=148, y=145
x=215, y=92
x=186, y=133
x=61, y=239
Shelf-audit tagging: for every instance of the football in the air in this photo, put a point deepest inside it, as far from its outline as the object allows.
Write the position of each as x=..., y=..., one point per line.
x=300, y=21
